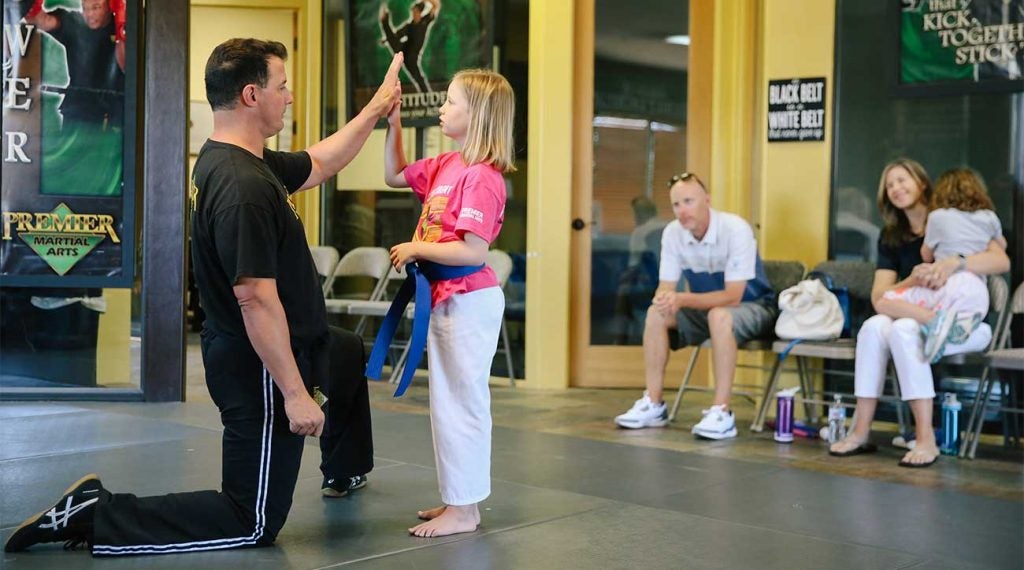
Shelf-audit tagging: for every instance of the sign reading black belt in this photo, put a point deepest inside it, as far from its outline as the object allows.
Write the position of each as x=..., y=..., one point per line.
x=417, y=282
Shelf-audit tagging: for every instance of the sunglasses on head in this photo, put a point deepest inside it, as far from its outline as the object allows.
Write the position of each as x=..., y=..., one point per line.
x=682, y=177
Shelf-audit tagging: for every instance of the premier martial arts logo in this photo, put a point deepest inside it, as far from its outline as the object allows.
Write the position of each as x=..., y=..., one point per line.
x=60, y=237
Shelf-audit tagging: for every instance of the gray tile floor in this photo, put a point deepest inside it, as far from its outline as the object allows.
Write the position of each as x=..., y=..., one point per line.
x=558, y=502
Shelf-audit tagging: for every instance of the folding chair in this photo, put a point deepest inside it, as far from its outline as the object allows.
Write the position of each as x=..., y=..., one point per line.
x=997, y=356
x=501, y=263
x=372, y=262
x=325, y=259
x=781, y=275
x=857, y=277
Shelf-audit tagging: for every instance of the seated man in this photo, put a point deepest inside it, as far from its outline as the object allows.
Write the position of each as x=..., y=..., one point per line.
x=729, y=301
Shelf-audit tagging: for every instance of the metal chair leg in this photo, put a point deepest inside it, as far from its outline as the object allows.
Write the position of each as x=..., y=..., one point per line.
x=900, y=415
x=977, y=408
x=684, y=384
x=769, y=389
x=979, y=422
x=807, y=388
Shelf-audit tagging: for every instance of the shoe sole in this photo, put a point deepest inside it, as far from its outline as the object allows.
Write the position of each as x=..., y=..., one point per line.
x=335, y=494
x=728, y=434
x=31, y=520
x=642, y=425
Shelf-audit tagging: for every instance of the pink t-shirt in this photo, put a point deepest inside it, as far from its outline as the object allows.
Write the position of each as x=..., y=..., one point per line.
x=457, y=199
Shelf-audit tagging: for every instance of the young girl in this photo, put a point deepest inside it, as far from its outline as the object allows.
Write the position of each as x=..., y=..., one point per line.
x=962, y=223
x=463, y=195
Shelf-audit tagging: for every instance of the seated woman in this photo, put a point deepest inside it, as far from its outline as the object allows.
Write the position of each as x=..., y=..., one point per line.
x=904, y=194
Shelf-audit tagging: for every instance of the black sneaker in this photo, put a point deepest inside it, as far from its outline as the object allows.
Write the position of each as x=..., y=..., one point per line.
x=335, y=488
x=70, y=519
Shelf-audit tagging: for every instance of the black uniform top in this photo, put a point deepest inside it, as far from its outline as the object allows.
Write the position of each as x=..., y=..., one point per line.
x=244, y=226
x=95, y=88
x=901, y=258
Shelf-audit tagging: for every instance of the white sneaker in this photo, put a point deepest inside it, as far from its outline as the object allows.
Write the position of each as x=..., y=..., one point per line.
x=716, y=424
x=644, y=413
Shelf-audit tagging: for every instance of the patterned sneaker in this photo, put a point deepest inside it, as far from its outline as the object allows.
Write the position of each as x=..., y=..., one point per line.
x=336, y=488
x=936, y=333
x=716, y=424
x=962, y=328
x=643, y=414
x=70, y=519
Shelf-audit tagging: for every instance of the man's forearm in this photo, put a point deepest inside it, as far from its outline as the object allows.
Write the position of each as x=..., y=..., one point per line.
x=706, y=301
x=267, y=329
x=333, y=153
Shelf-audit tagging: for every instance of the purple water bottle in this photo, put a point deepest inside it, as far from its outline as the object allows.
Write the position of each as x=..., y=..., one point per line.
x=784, y=414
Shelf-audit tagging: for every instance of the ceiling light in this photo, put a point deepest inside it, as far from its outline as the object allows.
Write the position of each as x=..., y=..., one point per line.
x=679, y=40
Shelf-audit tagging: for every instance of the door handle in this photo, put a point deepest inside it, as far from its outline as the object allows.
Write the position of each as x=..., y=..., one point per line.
x=578, y=224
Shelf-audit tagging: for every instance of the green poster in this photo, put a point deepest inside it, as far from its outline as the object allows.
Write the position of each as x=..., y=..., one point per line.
x=437, y=38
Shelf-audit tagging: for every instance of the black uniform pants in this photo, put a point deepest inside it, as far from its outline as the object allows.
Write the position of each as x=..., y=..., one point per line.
x=260, y=456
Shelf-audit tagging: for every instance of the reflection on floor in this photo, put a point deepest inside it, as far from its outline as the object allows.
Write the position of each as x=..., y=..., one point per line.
x=570, y=490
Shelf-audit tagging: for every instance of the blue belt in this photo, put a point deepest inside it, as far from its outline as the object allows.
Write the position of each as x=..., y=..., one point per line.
x=418, y=279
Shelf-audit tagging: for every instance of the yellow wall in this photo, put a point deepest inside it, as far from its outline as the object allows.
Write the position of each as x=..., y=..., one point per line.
x=113, y=339
x=549, y=193
x=793, y=178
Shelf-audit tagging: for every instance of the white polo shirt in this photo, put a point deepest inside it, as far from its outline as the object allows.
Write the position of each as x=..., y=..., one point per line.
x=728, y=252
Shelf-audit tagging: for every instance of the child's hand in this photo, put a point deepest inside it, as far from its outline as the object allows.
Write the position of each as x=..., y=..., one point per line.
x=404, y=253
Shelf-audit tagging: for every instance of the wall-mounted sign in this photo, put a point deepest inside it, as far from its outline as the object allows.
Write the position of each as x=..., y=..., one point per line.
x=68, y=207
x=967, y=44
x=796, y=109
x=437, y=38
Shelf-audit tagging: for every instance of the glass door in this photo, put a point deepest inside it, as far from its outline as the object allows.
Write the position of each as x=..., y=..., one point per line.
x=636, y=122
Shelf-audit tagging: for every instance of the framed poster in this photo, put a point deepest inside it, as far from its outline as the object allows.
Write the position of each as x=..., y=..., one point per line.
x=68, y=194
x=952, y=47
x=796, y=109
x=437, y=37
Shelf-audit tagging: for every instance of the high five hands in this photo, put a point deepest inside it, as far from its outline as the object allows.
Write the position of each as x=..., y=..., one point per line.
x=389, y=94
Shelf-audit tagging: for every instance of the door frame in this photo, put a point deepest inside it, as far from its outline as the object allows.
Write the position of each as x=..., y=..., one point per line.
x=623, y=366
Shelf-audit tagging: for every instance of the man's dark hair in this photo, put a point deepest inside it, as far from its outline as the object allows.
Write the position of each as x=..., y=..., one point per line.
x=235, y=64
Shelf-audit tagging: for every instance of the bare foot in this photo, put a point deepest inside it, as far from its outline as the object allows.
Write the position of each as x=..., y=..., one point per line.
x=921, y=455
x=846, y=445
x=452, y=519
x=430, y=514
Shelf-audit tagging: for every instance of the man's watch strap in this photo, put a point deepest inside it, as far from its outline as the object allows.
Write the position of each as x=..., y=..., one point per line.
x=962, y=262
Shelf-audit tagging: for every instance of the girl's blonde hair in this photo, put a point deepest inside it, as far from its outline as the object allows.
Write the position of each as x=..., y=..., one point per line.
x=896, y=228
x=492, y=107
x=962, y=189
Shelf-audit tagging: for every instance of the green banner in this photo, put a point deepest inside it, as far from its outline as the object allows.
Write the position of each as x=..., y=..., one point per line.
x=961, y=41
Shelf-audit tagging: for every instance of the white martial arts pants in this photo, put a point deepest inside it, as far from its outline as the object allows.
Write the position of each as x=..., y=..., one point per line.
x=461, y=343
x=881, y=338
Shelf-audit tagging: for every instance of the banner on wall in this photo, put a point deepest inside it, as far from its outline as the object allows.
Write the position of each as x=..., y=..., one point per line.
x=966, y=43
x=437, y=37
x=796, y=109
x=68, y=144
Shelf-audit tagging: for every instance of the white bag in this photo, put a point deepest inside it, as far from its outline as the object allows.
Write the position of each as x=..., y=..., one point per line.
x=809, y=311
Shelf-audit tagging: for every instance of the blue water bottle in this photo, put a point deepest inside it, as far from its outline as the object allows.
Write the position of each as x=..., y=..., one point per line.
x=950, y=425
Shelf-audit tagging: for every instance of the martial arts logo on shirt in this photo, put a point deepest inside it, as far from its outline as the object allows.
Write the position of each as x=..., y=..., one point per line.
x=60, y=237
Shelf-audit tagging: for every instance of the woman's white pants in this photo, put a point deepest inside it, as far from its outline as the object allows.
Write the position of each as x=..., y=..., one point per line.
x=882, y=338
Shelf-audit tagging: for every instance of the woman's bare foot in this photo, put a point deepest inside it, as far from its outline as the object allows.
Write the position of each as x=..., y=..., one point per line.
x=920, y=456
x=847, y=445
x=452, y=519
x=430, y=514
